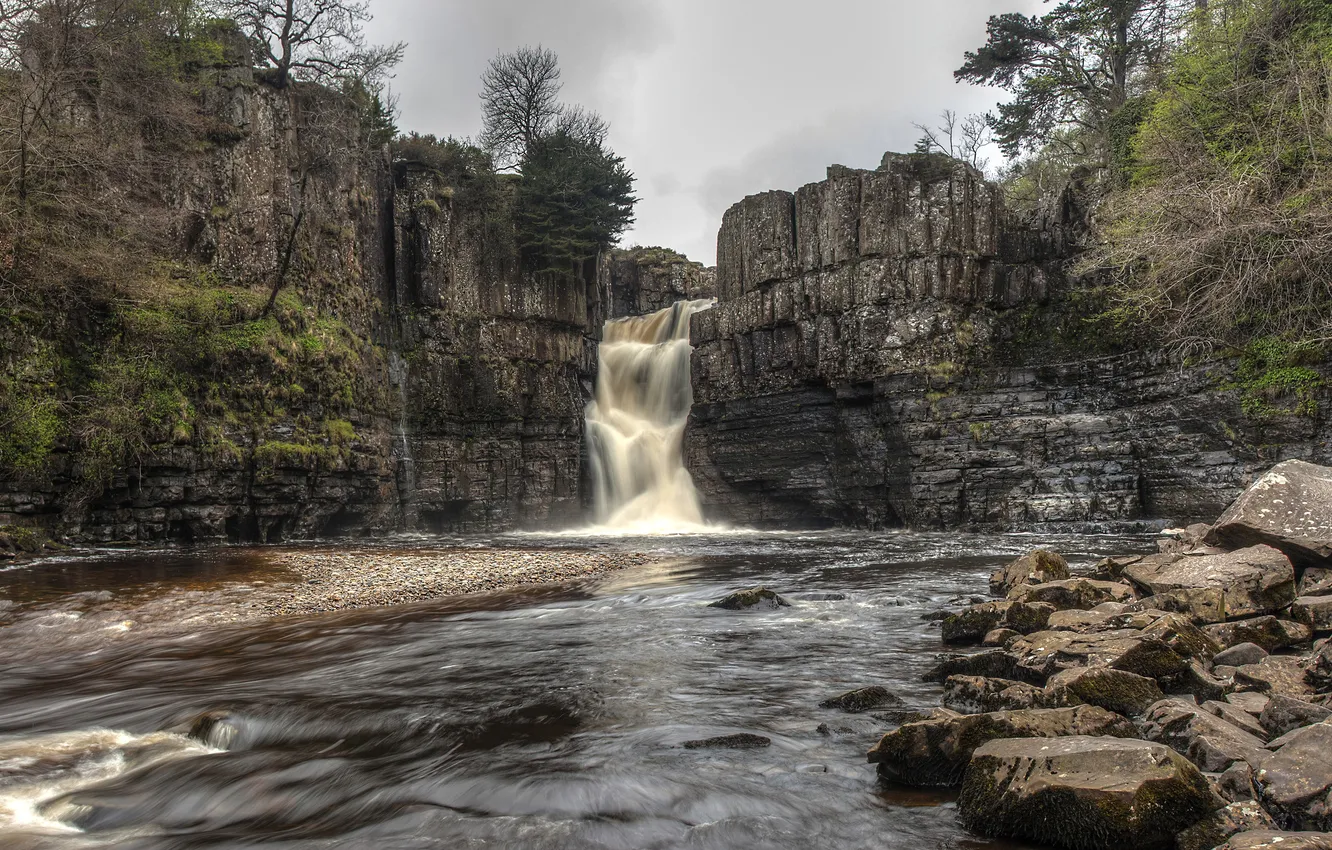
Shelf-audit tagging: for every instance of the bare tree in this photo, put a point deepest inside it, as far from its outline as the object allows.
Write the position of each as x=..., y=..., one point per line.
x=583, y=124
x=319, y=40
x=520, y=102
x=965, y=140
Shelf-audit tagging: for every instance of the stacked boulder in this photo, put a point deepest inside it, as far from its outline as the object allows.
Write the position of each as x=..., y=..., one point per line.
x=1180, y=699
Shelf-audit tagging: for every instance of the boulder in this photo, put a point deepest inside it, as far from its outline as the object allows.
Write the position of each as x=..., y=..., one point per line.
x=1294, y=783
x=973, y=623
x=979, y=695
x=1286, y=714
x=1266, y=839
x=1208, y=741
x=1043, y=654
x=1035, y=567
x=1235, y=783
x=1269, y=632
x=1215, y=588
x=1236, y=716
x=1114, y=690
x=1318, y=668
x=1081, y=594
x=936, y=752
x=1240, y=654
x=1288, y=507
x=1181, y=635
x=1219, y=825
x=754, y=597
x=1275, y=674
x=1250, y=702
x=995, y=664
x=1314, y=612
x=1083, y=792
x=1316, y=581
x=862, y=700
x=1180, y=540
x=1112, y=569
x=998, y=637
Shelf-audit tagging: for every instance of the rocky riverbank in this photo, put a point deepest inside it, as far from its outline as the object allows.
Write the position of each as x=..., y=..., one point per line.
x=1180, y=699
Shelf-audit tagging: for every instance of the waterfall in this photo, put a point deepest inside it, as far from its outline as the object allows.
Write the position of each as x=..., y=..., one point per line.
x=636, y=422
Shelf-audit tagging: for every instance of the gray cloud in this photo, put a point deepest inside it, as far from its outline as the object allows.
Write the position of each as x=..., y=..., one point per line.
x=709, y=100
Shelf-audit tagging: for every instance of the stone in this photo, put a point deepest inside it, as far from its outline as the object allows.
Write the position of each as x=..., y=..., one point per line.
x=862, y=700
x=1288, y=507
x=1294, y=783
x=1318, y=668
x=1266, y=839
x=1314, y=612
x=1083, y=792
x=973, y=623
x=1275, y=674
x=755, y=597
x=998, y=637
x=1181, y=635
x=995, y=664
x=1237, y=716
x=1038, y=656
x=1240, y=654
x=1181, y=540
x=1210, y=742
x=1286, y=714
x=1114, y=690
x=1316, y=581
x=1215, y=588
x=936, y=752
x=1033, y=568
x=1075, y=593
x=1221, y=824
x=1235, y=783
x=979, y=695
x=740, y=741
x=1269, y=632
x=1112, y=569
x=1250, y=702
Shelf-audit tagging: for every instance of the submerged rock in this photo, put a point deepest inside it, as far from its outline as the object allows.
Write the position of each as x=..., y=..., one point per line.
x=741, y=741
x=936, y=752
x=1288, y=507
x=1033, y=568
x=1082, y=792
x=862, y=700
x=754, y=597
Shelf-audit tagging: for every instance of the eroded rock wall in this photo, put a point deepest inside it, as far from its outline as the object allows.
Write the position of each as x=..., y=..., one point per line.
x=867, y=364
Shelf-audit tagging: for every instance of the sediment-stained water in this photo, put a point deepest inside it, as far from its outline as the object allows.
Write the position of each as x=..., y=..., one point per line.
x=548, y=718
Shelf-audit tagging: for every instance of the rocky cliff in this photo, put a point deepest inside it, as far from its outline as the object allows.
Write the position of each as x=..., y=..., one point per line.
x=406, y=374
x=895, y=347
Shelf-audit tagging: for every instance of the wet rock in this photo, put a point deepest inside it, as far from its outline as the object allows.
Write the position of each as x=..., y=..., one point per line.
x=1033, y=568
x=1263, y=839
x=1275, y=674
x=1314, y=612
x=741, y=741
x=862, y=700
x=973, y=623
x=755, y=597
x=1208, y=741
x=1219, y=825
x=1215, y=588
x=998, y=637
x=1073, y=594
x=1083, y=792
x=995, y=664
x=1285, y=714
x=1288, y=507
x=1114, y=690
x=1293, y=783
x=1240, y=654
x=936, y=752
x=979, y=695
x=1269, y=632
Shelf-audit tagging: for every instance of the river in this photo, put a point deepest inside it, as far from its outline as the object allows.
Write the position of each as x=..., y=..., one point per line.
x=549, y=718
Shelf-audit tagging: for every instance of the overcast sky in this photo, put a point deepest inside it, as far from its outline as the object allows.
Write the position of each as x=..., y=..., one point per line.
x=708, y=100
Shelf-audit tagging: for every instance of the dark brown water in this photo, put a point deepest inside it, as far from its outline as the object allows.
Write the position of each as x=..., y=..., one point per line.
x=547, y=719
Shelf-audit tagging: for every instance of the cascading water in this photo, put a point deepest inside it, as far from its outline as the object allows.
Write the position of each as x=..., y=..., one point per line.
x=636, y=422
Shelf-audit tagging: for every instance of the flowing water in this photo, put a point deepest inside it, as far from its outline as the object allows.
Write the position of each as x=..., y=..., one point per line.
x=550, y=718
x=636, y=423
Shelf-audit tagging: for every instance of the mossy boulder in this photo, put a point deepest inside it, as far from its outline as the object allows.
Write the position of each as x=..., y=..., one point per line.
x=1083, y=793
x=754, y=597
x=1215, y=588
x=936, y=752
x=972, y=624
x=980, y=695
x=1114, y=690
x=863, y=699
x=1074, y=594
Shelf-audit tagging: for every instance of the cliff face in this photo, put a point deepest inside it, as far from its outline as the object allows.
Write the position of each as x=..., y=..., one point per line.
x=645, y=280
x=865, y=365
x=408, y=375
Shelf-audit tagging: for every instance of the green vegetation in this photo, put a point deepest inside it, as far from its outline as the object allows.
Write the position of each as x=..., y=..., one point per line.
x=1275, y=379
